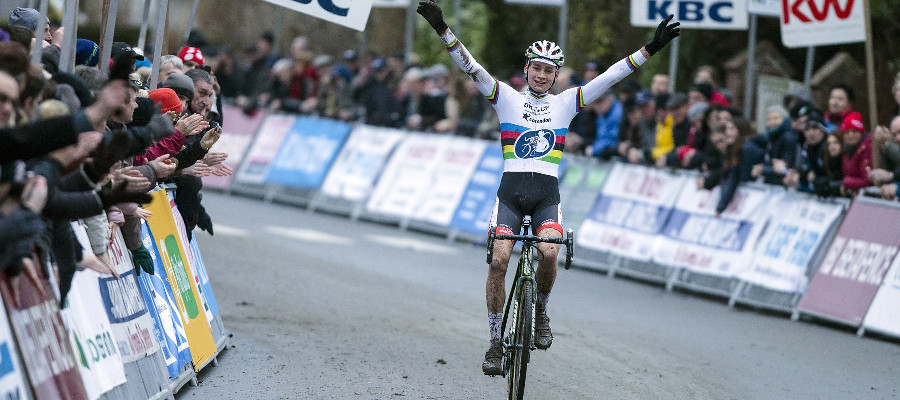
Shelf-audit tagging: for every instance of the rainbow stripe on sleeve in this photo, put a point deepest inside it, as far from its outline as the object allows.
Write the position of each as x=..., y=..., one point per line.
x=493, y=96
x=452, y=46
x=579, y=98
x=632, y=64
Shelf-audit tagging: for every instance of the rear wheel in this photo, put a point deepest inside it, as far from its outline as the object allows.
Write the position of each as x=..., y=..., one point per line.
x=521, y=342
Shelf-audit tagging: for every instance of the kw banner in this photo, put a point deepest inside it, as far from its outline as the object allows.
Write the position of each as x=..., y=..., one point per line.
x=350, y=13
x=406, y=177
x=694, y=238
x=882, y=315
x=631, y=211
x=693, y=14
x=856, y=263
x=798, y=224
x=579, y=188
x=39, y=330
x=307, y=152
x=360, y=162
x=131, y=322
x=473, y=215
x=161, y=300
x=187, y=298
x=12, y=379
x=237, y=133
x=448, y=180
x=269, y=138
x=809, y=23
x=91, y=335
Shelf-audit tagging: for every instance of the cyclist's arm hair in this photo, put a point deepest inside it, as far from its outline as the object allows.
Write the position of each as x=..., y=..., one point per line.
x=486, y=83
x=592, y=90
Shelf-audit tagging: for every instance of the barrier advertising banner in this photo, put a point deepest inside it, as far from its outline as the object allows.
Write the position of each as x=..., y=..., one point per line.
x=796, y=229
x=695, y=239
x=158, y=294
x=91, y=336
x=808, y=23
x=631, y=211
x=352, y=14
x=405, y=179
x=204, y=279
x=265, y=146
x=579, y=188
x=855, y=263
x=693, y=14
x=191, y=259
x=237, y=133
x=307, y=152
x=12, y=379
x=131, y=322
x=39, y=330
x=882, y=314
x=448, y=180
x=352, y=176
x=187, y=298
x=473, y=214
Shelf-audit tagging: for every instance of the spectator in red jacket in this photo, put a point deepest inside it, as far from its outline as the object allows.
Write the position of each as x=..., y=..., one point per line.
x=857, y=157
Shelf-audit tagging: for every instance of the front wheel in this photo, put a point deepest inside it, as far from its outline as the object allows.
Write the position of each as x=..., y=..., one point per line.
x=520, y=345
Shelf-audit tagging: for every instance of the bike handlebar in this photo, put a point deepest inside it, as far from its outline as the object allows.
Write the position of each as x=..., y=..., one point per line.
x=568, y=241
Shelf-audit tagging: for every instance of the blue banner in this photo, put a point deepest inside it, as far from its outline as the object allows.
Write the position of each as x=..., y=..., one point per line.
x=161, y=303
x=630, y=214
x=204, y=278
x=477, y=204
x=308, y=152
x=708, y=231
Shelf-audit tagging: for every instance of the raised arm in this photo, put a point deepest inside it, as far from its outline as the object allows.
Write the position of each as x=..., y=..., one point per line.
x=665, y=32
x=486, y=83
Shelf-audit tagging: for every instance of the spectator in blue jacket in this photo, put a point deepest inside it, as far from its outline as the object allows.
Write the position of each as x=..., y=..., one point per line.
x=609, y=117
x=781, y=151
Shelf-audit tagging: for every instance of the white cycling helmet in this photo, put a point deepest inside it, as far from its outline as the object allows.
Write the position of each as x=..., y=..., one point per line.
x=547, y=52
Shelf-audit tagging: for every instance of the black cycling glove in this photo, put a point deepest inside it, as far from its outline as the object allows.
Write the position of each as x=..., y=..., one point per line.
x=664, y=34
x=432, y=13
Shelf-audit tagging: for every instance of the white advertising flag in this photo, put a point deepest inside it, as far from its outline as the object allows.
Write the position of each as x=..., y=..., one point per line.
x=806, y=23
x=350, y=13
x=769, y=8
x=693, y=14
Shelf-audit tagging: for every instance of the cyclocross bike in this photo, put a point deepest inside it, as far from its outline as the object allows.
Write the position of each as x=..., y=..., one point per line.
x=518, y=315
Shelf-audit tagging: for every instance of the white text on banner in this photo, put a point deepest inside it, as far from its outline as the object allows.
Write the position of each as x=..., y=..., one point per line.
x=806, y=23
x=631, y=211
x=352, y=176
x=797, y=227
x=693, y=14
x=694, y=238
x=882, y=314
x=405, y=179
x=449, y=179
x=265, y=146
x=349, y=13
x=91, y=336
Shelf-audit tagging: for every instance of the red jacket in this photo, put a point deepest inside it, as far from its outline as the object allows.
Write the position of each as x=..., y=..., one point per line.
x=854, y=165
x=168, y=145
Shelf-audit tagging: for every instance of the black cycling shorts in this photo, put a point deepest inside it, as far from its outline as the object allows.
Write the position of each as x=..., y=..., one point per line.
x=526, y=193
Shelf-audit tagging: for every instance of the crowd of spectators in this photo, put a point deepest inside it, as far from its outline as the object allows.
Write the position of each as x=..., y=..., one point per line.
x=87, y=146
x=824, y=149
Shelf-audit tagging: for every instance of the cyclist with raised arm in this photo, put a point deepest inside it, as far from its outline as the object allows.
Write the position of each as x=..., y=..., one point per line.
x=533, y=125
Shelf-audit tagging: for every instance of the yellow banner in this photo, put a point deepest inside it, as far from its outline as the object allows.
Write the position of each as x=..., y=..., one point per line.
x=187, y=297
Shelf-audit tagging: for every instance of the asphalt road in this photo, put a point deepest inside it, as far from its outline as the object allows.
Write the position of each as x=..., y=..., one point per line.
x=322, y=307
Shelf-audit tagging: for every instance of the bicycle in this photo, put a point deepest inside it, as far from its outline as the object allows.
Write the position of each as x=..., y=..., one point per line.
x=518, y=341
